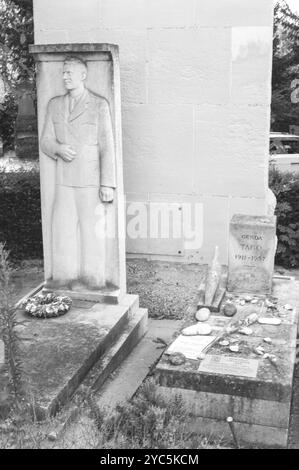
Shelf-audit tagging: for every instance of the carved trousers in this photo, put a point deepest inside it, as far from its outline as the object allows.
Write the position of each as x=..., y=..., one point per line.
x=78, y=236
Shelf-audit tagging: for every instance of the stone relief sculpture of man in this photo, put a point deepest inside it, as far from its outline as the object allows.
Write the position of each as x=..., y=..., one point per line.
x=78, y=135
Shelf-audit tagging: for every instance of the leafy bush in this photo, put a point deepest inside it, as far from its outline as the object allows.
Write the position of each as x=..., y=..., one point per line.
x=285, y=186
x=149, y=421
x=16, y=63
x=8, y=331
x=20, y=214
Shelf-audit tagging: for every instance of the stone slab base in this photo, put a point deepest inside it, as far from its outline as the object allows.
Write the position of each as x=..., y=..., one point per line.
x=257, y=422
x=248, y=435
x=108, y=296
x=119, y=350
x=59, y=352
x=260, y=406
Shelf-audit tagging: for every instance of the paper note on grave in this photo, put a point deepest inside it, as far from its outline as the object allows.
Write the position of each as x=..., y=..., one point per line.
x=190, y=346
x=228, y=365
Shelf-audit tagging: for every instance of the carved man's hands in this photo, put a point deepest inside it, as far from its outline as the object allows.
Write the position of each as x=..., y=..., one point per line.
x=66, y=152
x=106, y=194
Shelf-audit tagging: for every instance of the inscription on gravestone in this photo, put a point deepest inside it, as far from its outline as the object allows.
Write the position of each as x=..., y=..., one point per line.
x=252, y=248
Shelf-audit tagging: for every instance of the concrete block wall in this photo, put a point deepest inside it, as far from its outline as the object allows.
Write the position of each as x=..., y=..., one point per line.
x=196, y=92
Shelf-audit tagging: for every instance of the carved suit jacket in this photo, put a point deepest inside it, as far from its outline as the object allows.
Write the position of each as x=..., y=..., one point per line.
x=88, y=129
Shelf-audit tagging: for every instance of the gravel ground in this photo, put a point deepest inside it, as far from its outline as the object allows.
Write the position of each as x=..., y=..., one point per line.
x=166, y=289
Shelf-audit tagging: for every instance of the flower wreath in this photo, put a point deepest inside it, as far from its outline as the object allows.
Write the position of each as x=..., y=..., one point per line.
x=47, y=305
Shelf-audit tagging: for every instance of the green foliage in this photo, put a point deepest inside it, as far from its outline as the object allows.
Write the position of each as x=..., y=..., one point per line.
x=286, y=189
x=20, y=215
x=8, y=324
x=16, y=64
x=16, y=33
x=148, y=421
x=285, y=67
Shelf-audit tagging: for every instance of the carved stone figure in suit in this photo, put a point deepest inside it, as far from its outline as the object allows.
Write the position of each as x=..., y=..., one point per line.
x=78, y=135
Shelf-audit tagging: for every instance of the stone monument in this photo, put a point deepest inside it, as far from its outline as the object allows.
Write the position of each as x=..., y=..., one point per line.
x=81, y=169
x=78, y=97
x=252, y=246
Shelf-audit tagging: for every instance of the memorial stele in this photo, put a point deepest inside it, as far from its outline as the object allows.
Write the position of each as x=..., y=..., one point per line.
x=79, y=120
x=252, y=246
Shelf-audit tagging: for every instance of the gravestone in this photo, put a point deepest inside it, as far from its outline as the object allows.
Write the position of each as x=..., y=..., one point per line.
x=252, y=246
x=26, y=136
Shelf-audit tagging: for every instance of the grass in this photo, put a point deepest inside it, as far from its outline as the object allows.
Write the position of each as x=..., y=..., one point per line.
x=148, y=421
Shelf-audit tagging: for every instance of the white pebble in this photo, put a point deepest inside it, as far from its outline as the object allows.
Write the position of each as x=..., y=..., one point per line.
x=246, y=331
x=252, y=318
x=202, y=314
x=269, y=321
x=267, y=340
x=198, y=329
x=288, y=307
x=234, y=348
x=201, y=356
x=282, y=313
x=259, y=350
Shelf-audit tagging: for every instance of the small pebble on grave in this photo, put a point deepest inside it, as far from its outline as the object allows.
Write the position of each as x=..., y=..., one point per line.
x=229, y=310
x=202, y=314
x=177, y=359
x=267, y=340
x=269, y=321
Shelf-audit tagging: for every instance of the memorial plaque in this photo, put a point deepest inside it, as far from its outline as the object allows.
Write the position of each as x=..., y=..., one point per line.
x=190, y=346
x=228, y=365
x=252, y=246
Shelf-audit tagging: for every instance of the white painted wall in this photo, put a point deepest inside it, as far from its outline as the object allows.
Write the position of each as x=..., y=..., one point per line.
x=196, y=91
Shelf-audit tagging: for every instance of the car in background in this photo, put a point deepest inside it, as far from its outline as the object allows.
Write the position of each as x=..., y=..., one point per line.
x=284, y=151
